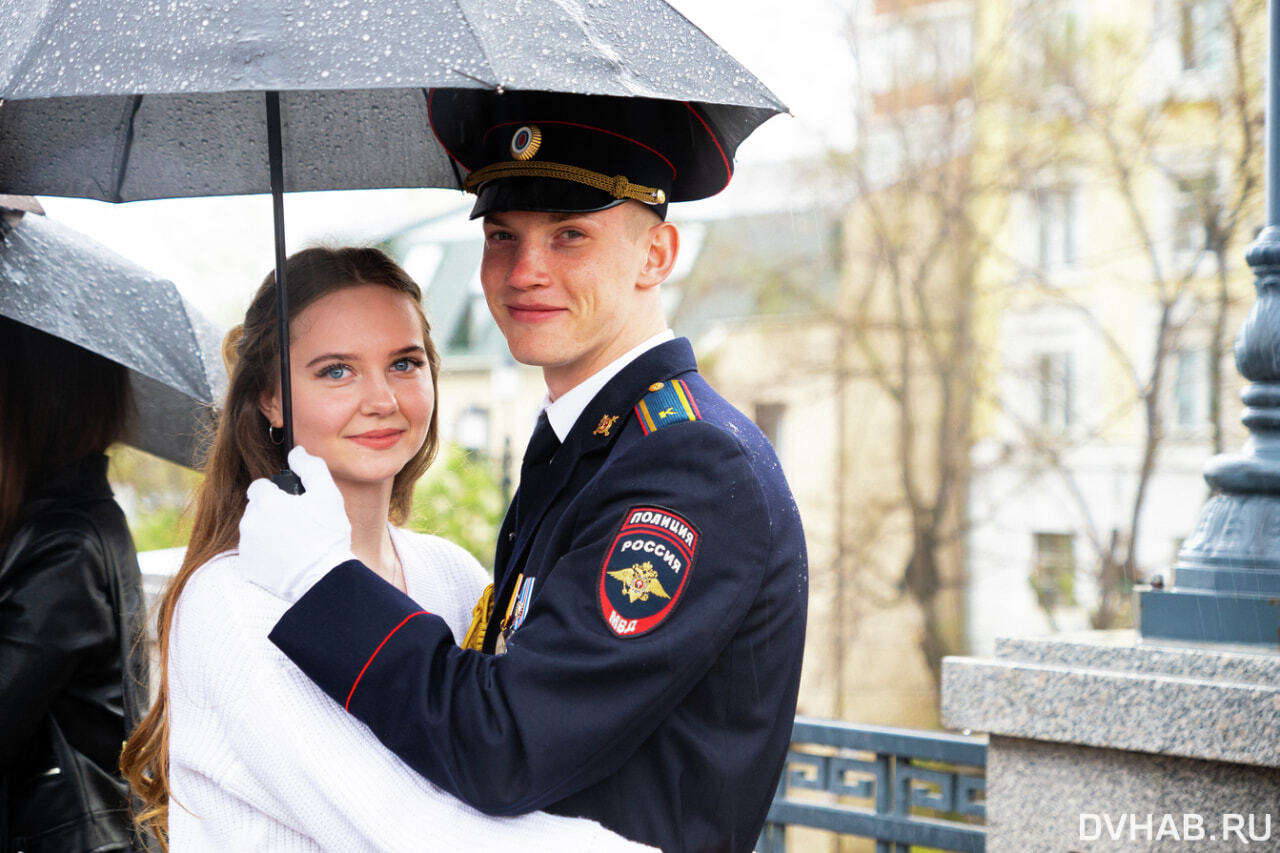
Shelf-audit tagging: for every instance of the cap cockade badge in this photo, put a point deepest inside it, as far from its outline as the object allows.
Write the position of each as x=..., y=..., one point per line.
x=525, y=142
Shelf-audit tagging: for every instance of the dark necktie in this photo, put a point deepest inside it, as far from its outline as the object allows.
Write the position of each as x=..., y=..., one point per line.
x=542, y=446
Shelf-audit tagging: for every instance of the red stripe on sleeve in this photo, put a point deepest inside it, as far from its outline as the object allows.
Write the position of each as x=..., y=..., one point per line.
x=347, y=706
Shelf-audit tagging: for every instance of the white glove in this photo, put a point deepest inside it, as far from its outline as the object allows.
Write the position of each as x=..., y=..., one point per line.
x=288, y=542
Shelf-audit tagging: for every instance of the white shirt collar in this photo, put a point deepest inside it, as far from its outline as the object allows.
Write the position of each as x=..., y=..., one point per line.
x=564, y=412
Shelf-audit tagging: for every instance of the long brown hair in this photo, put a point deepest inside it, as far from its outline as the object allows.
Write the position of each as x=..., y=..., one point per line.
x=242, y=452
x=60, y=403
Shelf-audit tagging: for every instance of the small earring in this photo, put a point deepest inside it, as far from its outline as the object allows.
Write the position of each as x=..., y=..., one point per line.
x=275, y=435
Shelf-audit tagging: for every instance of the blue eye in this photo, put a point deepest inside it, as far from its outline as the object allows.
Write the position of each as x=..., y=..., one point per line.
x=335, y=371
x=406, y=365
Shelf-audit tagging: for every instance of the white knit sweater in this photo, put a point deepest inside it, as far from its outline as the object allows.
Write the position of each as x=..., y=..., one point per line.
x=261, y=760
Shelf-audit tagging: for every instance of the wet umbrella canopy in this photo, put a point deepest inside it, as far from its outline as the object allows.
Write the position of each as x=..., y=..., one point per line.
x=169, y=95
x=120, y=100
x=59, y=281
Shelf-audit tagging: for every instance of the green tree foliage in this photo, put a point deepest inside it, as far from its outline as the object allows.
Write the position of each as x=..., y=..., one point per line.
x=155, y=494
x=164, y=527
x=460, y=498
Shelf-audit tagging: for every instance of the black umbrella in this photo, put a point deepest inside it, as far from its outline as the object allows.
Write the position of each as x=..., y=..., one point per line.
x=59, y=281
x=119, y=100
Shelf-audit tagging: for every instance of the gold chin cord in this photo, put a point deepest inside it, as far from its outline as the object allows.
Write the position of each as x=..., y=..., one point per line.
x=617, y=186
x=479, y=621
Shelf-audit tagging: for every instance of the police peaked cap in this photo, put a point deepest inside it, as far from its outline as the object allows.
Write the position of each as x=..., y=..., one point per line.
x=565, y=153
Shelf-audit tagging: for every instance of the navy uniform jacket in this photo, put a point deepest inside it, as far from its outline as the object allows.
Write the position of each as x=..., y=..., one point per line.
x=651, y=681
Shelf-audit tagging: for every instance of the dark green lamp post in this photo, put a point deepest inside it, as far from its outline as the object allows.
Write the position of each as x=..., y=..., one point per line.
x=1226, y=582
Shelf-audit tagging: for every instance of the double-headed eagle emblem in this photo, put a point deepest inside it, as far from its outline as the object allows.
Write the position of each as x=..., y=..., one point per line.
x=639, y=581
x=605, y=425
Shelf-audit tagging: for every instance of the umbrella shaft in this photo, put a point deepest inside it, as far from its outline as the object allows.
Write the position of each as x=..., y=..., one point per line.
x=276, y=155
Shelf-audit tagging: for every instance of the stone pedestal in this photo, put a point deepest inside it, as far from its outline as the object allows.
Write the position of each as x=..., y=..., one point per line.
x=1101, y=742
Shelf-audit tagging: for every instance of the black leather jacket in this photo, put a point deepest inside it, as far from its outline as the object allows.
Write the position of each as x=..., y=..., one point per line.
x=73, y=678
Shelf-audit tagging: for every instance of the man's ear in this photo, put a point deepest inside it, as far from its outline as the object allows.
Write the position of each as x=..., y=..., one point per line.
x=664, y=246
x=269, y=405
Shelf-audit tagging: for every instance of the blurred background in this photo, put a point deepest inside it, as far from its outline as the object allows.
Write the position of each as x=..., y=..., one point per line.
x=980, y=290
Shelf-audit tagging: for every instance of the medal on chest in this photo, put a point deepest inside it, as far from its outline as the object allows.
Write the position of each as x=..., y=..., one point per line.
x=517, y=610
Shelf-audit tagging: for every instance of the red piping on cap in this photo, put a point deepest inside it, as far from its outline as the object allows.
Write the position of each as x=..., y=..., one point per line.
x=431, y=96
x=648, y=148
x=728, y=169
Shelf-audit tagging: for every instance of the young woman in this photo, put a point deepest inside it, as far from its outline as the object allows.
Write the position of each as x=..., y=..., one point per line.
x=72, y=675
x=241, y=751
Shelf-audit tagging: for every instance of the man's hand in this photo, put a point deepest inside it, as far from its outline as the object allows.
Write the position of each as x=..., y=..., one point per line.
x=288, y=542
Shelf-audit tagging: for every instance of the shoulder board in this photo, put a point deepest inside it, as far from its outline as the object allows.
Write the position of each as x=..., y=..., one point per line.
x=666, y=403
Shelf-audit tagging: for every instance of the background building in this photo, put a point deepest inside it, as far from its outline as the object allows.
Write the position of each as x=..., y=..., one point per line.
x=1116, y=283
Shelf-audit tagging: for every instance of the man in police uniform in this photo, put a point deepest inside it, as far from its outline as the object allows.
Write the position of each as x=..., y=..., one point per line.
x=650, y=576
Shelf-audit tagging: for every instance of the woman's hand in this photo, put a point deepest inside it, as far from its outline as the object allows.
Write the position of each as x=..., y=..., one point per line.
x=288, y=542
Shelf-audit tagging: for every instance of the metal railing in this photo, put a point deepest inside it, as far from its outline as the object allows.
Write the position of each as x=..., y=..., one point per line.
x=915, y=787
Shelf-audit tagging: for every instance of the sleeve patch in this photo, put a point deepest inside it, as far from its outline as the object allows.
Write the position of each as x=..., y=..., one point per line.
x=646, y=569
x=666, y=403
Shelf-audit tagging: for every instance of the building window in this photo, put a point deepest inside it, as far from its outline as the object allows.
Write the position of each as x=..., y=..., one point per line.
x=1200, y=33
x=1053, y=576
x=1047, y=42
x=1054, y=380
x=460, y=339
x=1194, y=195
x=1060, y=42
x=1190, y=389
x=471, y=431
x=768, y=416
x=924, y=51
x=1055, y=219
